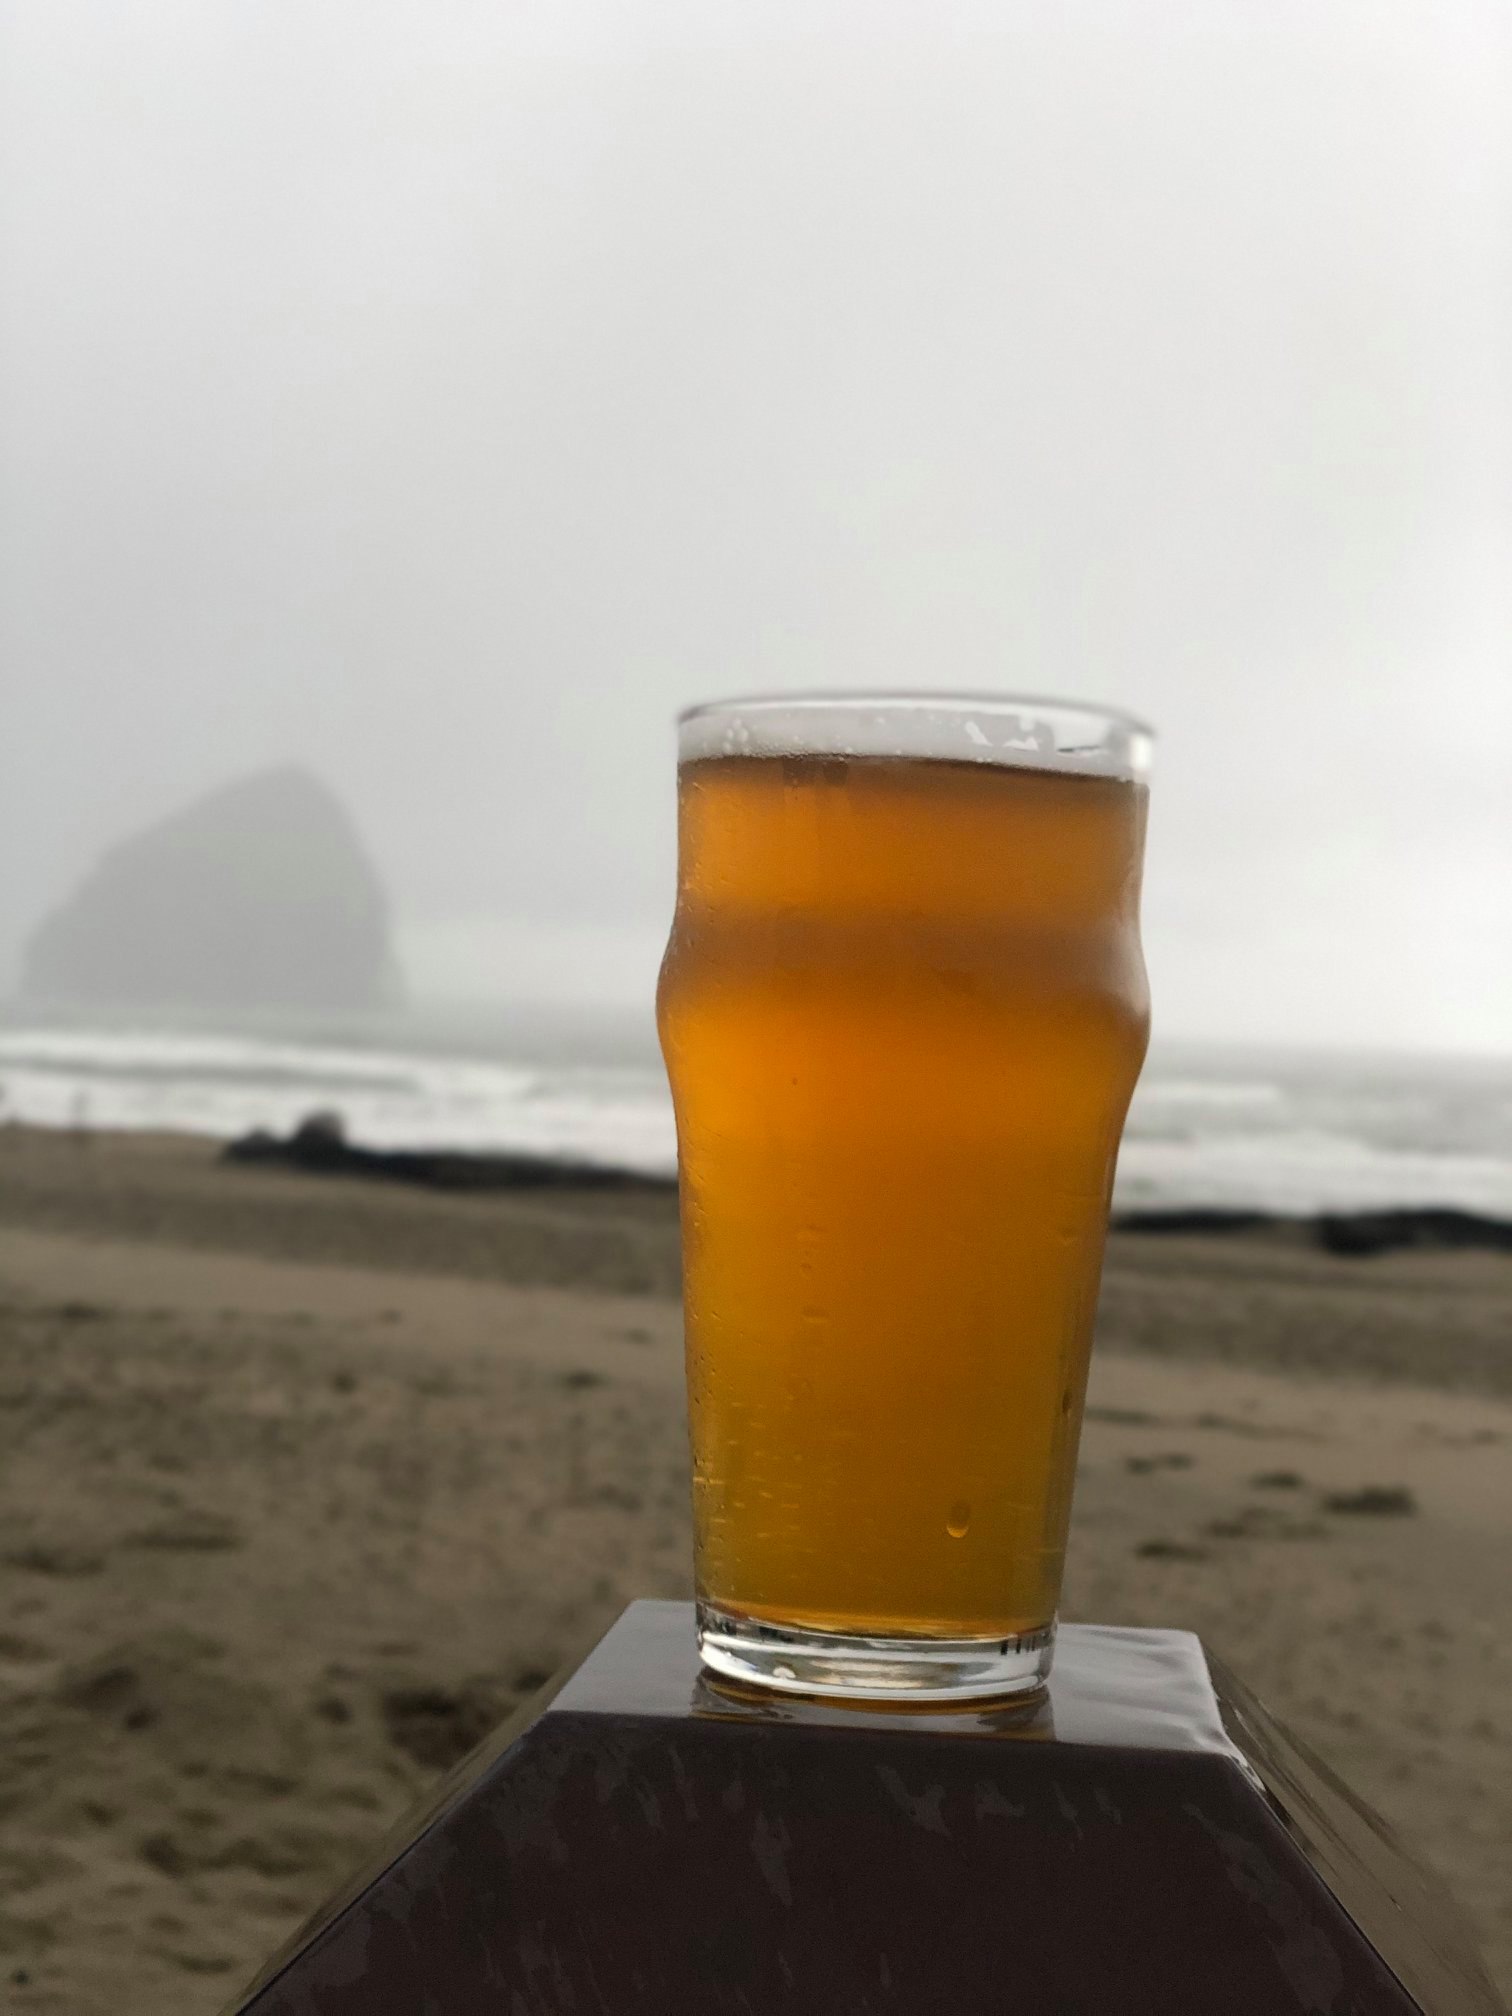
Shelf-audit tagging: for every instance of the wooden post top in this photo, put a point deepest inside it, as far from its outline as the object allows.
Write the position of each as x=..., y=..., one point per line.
x=1146, y=1841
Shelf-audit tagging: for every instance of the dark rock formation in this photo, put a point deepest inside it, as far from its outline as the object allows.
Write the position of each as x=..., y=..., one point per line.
x=1193, y=1218
x=259, y=896
x=319, y=1144
x=1355, y=1235
x=1358, y=1234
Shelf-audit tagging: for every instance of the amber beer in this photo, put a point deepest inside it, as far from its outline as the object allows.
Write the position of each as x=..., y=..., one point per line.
x=903, y=1008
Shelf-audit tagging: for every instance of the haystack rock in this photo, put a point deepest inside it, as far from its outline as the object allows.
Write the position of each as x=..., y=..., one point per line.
x=258, y=896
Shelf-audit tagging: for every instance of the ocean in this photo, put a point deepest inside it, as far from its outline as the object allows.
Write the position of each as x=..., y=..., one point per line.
x=1282, y=1131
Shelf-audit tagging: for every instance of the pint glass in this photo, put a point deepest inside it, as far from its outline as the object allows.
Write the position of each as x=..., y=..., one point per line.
x=902, y=1008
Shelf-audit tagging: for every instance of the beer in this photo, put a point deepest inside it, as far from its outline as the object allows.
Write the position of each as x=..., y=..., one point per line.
x=903, y=1008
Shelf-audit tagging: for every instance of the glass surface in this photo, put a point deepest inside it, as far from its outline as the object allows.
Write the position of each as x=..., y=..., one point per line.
x=903, y=1008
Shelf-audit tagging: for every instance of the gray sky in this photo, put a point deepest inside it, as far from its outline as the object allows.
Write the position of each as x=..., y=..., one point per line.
x=443, y=393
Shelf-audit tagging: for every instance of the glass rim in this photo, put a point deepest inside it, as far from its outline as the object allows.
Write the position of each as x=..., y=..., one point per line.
x=959, y=698
x=1018, y=730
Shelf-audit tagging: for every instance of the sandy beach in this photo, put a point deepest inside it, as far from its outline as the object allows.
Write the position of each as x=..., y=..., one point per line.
x=306, y=1482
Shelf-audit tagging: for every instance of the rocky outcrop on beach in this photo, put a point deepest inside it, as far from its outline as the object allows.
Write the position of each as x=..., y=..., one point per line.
x=259, y=896
x=319, y=1145
x=1353, y=1235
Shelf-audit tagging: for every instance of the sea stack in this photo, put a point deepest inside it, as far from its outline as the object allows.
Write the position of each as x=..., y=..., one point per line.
x=258, y=896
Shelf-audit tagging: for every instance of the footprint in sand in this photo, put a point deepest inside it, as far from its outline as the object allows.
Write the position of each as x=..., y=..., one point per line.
x=18, y=1651
x=201, y=1963
x=1141, y=1466
x=438, y=1726
x=1170, y=1550
x=1261, y=1522
x=276, y=1854
x=113, y=1692
x=166, y=1677
x=1257, y=1431
x=55, y=1557
x=191, y=1533
x=1377, y=1501
x=22, y=1870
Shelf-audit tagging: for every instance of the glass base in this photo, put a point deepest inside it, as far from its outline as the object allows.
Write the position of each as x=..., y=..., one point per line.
x=836, y=1665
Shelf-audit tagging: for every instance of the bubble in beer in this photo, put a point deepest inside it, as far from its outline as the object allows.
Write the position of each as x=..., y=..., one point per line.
x=959, y=1519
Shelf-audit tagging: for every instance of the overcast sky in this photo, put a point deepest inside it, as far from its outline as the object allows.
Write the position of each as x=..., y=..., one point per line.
x=441, y=394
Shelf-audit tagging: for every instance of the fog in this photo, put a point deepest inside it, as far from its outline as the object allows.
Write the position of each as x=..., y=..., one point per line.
x=439, y=395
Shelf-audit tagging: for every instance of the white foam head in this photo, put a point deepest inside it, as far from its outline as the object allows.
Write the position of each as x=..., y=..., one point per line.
x=1000, y=728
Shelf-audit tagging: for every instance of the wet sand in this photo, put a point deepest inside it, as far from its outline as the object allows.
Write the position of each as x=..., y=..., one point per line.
x=305, y=1482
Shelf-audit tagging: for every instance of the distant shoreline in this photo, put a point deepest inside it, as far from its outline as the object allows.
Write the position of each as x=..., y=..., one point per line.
x=1236, y=1132
x=319, y=1147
